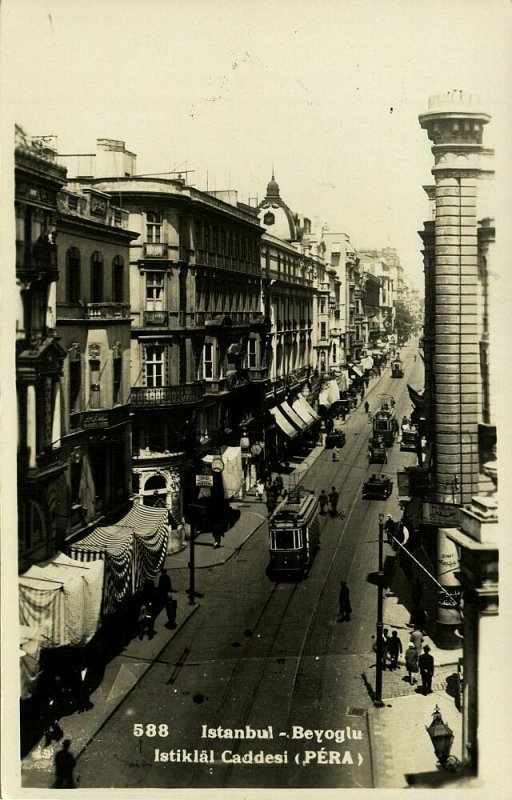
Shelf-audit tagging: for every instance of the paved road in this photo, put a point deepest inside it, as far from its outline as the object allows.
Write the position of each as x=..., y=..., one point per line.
x=260, y=654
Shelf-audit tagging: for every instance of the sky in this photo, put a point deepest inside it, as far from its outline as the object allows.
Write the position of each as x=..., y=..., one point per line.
x=326, y=93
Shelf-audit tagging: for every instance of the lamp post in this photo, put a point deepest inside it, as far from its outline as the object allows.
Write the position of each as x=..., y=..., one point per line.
x=380, y=607
x=245, y=444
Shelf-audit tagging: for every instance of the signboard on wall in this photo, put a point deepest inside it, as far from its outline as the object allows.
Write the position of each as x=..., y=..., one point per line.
x=444, y=515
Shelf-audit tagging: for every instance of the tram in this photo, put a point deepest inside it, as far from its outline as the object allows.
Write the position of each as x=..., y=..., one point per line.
x=294, y=535
x=397, y=370
x=384, y=424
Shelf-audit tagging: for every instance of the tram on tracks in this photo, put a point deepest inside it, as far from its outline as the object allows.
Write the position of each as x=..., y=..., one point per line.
x=397, y=369
x=385, y=424
x=294, y=535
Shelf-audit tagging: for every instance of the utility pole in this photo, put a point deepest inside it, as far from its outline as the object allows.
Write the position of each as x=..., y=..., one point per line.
x=380, y=609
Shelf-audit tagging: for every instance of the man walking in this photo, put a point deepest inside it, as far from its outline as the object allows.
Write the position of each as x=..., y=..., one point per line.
x=344, y=602
x=334, y=496
x=417, y=639
x=323, y=500
x=394, y=647
x=411, y=662
x=426, y=665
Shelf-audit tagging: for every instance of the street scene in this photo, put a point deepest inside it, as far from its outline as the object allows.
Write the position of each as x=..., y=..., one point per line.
x=253, y=539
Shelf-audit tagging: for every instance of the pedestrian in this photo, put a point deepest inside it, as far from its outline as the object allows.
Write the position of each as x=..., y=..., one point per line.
x=335, y=454
x=416, y=638
x=390, y=528
x=334, y=497
x=146, y=620
x=64, y=766
x=419, y=618
x=171, y=607
x=344, y=603
x=164, y=585
x=411, y=661
x=385, y=640
x=271, y=503
x=259, y=491
x=323, y=500
x=394, y=648
x=278, y=483
x=217, y=534
x=426, y=667
x=366, y=407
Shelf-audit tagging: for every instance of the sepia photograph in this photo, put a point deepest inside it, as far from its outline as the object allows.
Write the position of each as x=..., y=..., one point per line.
x=255, y=355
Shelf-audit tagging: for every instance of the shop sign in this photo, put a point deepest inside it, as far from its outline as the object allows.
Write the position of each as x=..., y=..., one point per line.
x=444, y=515
x=204, y=480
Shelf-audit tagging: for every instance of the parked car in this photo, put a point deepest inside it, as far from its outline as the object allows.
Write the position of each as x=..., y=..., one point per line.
x=377, y=487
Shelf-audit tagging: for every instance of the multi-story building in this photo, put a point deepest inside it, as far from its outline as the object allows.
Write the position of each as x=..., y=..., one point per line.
x=93, y=322
x=39, y=354
x=458, y=245
x=198, y=335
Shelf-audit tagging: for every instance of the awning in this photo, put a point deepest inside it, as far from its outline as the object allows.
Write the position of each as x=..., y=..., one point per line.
x=307, y=408
x=283, y=423
x=302, y=413
x=357, y=372
x=293, y=416
x=133, y=550
x=417, y=398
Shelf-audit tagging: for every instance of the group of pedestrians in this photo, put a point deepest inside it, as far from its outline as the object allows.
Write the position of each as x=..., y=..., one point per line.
x=153, y=600
x=329, y=502
x=417, y=656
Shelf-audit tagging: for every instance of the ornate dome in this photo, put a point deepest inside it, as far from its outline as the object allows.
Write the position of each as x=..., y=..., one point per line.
x=272, y=187
x=275, y=215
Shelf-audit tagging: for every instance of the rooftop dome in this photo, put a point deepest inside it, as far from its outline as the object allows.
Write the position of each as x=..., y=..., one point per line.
x=272, y=187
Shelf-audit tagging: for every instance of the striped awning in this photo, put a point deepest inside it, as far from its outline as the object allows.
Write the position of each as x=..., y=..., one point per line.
x=287, y=427
x=133, y=549
x=293, y=416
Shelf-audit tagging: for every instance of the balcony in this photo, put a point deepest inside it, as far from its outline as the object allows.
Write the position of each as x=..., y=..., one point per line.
x=107, y=311
x=145, y=397
x=215, y=386
x=36, y=258
x=159, y=319
x=155, y=249
x=257, y=374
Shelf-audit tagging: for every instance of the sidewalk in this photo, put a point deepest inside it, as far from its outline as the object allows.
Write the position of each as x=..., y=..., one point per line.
x=402, y=753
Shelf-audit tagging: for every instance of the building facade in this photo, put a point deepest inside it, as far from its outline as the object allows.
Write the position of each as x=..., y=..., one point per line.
x=93, y=322
x=39, y=353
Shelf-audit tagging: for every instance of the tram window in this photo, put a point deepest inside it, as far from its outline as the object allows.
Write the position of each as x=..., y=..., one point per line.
x=382, y=425
x=284, y=540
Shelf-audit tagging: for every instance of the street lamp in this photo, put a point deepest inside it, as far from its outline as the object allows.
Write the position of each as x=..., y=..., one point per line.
x=441, y=737
x=380, y=624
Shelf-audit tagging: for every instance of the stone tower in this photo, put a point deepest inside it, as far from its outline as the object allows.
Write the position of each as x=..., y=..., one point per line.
x=454, y=123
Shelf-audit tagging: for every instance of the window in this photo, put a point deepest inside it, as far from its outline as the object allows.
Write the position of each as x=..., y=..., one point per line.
x=73, y=274
x=252, y=354
x=96, y=277
x=117, y=373
x=208, y=360
x=322, y=306
x=154, y=366
x=323, y=330
x=154, y=291
x=197, y=236
x=153, y=227
x=75, y=385
x=117, y=279
x=94, y=385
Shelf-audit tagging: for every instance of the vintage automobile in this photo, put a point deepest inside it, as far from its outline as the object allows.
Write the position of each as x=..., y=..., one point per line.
x=335, y=439
x=377, y=451
x=377, y=487
x=410, y=437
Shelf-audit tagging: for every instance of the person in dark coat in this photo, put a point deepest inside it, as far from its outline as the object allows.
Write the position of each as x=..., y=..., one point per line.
x=394, y=648
x=64, y=766
x=146, y=620
x=164, y=585
x=366, y=407
x=426, y=666
x=334, y=496
x=344, y=603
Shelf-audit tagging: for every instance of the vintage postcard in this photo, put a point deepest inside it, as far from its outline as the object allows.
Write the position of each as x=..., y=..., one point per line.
x=255, y=320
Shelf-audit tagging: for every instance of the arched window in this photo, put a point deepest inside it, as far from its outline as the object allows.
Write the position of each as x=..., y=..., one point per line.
x=118, y=279
x=73, y=274
x=97, y=277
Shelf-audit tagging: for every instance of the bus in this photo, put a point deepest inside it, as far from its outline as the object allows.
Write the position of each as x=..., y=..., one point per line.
x=294, y=535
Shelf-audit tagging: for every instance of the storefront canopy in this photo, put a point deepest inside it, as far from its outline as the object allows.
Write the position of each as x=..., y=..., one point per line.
x=292, y=415
x=133, y=550
x=303, y=404
x=287, y=428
